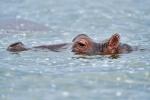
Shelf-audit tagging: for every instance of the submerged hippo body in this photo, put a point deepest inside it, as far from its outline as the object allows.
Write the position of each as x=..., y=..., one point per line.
x=82, y=44
x=19, y=46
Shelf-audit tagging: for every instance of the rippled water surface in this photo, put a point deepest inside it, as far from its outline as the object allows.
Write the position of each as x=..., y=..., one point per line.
x=62, y=75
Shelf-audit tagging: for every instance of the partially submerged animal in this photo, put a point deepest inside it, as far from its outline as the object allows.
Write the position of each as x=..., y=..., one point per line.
x=82, y=44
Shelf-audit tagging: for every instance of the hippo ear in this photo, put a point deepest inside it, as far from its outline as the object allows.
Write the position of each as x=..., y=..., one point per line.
x=114, y=41
x=80, y=36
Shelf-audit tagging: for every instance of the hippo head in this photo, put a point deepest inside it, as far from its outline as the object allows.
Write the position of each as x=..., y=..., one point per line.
x=16, y=47
x=82, y=44
x=111, y=46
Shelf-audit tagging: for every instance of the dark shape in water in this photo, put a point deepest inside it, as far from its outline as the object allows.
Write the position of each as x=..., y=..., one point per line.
x=13, y=24
x=82, y=44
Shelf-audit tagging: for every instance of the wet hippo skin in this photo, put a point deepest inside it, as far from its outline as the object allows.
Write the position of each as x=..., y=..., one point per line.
x=19, y=46
x=81, y=44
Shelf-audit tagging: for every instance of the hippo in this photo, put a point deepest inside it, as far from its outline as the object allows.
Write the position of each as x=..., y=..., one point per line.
x=82, y=45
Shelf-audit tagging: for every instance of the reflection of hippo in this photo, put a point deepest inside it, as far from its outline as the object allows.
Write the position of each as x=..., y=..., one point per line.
x=82, y=44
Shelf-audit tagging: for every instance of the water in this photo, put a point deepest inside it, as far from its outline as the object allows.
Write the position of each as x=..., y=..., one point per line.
x=64, y=76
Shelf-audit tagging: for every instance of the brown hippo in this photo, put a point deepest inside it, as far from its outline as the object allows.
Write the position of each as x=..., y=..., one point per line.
x=82, y=44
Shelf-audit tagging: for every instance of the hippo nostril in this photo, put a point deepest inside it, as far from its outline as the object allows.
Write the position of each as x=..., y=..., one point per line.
x=15, y=44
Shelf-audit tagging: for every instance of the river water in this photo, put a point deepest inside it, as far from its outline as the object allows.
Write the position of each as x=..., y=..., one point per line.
x=41, y=75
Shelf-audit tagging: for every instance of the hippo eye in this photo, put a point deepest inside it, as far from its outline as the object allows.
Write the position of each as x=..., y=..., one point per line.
x=81, y=44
